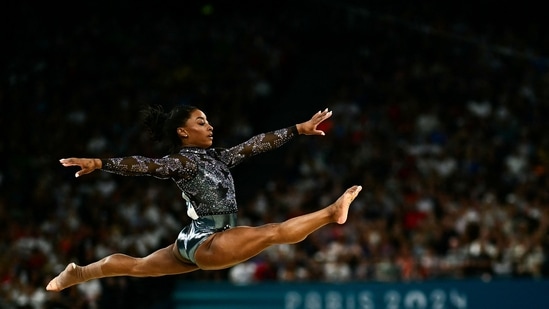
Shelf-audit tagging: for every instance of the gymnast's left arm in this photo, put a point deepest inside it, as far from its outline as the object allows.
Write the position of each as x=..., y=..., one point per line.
x=272, y=140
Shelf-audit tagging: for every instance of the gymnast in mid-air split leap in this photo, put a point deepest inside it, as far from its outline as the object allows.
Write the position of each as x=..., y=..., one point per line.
x=212, y=240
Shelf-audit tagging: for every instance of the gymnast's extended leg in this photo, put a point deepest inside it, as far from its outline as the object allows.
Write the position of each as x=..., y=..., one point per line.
x=159, y=263
x=233, y=246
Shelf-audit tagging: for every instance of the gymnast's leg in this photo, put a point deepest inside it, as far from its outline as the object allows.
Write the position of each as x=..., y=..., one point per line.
x=233, y=246
x=159, y=263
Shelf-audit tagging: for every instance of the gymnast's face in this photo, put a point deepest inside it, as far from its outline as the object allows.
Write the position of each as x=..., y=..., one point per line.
x=197, y=131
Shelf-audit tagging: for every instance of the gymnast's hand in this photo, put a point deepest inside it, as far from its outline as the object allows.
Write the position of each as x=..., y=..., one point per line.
x=86, y=165
x=309, y=127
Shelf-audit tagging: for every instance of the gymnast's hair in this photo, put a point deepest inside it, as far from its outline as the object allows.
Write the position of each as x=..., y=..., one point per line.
x=162, y=125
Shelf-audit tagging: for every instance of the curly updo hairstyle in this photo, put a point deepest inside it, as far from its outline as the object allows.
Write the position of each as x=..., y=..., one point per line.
x=162, y=125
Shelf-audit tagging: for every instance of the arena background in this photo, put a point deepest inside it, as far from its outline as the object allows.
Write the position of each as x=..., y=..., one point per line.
x=439, y=112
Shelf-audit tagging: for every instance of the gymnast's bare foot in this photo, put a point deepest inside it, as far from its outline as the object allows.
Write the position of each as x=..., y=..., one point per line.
x=65, y=279
x=341, y=206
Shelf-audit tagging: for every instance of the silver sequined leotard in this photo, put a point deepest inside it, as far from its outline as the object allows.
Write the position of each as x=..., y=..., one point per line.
x=202, y=175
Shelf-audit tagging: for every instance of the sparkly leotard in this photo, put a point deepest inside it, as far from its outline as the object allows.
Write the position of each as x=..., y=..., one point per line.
x=203, y=176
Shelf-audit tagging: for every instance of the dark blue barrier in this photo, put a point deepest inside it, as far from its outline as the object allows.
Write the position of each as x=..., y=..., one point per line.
x=462, y=294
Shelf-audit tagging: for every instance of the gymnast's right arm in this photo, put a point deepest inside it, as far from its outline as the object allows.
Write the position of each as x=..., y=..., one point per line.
x=172, y=166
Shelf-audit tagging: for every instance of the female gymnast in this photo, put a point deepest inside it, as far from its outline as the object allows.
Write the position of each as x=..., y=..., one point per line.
x=212, y=240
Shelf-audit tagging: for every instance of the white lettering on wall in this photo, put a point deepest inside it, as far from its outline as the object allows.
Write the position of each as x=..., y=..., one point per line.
x=391, y=299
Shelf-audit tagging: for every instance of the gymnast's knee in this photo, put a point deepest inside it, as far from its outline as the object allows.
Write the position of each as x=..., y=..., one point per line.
x=276, y=233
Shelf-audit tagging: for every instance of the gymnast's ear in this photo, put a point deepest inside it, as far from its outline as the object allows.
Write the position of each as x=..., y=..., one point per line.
x=182, y=132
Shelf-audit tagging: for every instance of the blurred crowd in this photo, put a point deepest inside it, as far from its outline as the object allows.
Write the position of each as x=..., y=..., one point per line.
x=442, y=121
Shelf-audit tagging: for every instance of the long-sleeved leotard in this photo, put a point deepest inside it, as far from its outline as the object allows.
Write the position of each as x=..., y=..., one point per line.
x=202, y=174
